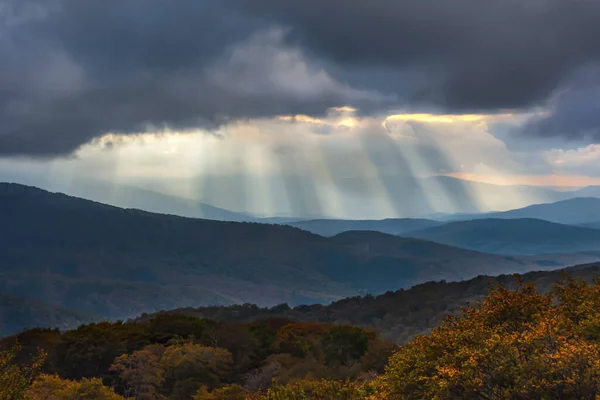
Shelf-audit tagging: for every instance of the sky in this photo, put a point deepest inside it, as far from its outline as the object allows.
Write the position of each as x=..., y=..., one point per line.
x=317, y=107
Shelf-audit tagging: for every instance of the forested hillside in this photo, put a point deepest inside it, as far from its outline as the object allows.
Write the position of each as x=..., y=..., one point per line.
x=397, y=315
x=177, y=356
x=514, y=343
x=119, y=263
x=18, y=313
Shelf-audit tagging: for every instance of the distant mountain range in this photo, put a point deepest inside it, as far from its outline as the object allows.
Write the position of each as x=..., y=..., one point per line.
x=470, y=197
x=437, y=198
x=580, y=210
x=513, y=236
x=115, y=263
x=120, y=195
x=536, y=229
x=592, y=225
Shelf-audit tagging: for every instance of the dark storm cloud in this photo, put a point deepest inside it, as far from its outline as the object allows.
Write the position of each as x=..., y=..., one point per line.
x=72, y=70
x=575, y=113
x=466, y=54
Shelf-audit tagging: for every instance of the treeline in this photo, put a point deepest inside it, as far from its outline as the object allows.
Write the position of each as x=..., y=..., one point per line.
x=176, y=356
x=517, y=343
x=397, y=316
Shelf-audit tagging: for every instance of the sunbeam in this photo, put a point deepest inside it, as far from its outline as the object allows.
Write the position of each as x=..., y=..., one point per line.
x=341, y=165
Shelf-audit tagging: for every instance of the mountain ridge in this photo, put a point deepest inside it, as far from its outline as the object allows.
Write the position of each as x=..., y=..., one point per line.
x=572, y=211
x=393, y=226
x=524, y=236
x=399, y=315
x=117, y=263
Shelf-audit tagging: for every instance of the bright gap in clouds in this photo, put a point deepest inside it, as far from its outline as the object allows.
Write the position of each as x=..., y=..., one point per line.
x=340, y=165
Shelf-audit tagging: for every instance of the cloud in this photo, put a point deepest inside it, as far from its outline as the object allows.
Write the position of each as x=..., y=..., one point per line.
x=74, y=70
x=575, y=112
x=81, y=70
x=462, y=54
x=583, y=160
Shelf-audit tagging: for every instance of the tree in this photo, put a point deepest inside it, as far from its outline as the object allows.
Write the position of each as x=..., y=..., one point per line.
x=89, y=350
x=515, y=344
x=142, y=372
x=175, y=372
x=51, y=387
x=188, y=366
x=320, y=390
x=229, y=392
x=346, y=343
x=14, y=378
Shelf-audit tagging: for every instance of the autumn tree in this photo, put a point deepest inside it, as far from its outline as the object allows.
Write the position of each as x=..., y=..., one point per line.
x=51, y=387
x=142, y=372
x=320, y=390
x=514, y=345
x=229, y=392
x=176, y=371
x=14, y=377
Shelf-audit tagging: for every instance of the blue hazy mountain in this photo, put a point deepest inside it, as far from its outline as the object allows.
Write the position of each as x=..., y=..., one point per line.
x=593, y=225
x=575, y=211
x=588, y=191
x=513, y=236
x=126, y=196
x=115, y=262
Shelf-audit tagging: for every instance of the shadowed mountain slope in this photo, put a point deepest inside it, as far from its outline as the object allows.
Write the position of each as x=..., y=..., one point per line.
x=398, y=315
x=18, y=313
x=513, y=236
x=117, y=263
x=393, y=226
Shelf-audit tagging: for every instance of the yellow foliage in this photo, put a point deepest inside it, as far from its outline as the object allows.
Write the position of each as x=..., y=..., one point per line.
x=51, y=387
x=229, y=392
x=515, y=344
x=14, y=378
x=320, y=390
x=156, y=372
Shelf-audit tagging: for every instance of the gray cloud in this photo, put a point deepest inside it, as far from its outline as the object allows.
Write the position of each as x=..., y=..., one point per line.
x=466, y=54
x=575, y=113
x=72, y=70
x=78, y=70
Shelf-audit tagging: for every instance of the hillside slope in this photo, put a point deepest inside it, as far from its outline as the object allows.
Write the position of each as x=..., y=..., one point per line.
x=513, y=236
x=45, y=235
x=572, y=211
x=118, y=263
x=592, y=225
x=125, y=196
x=398, y=315
x=18, y=313
x=393, y=226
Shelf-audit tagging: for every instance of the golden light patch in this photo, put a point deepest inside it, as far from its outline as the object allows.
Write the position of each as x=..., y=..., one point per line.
x=349, y=122
x=301, y=118
x=445, y=118
x=344, y=109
